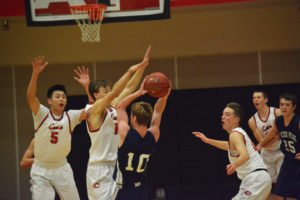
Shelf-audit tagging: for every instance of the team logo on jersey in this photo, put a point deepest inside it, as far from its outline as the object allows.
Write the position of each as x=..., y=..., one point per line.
x=96, y=185
x=52, y=127
x=248, y=193
x=266, y=128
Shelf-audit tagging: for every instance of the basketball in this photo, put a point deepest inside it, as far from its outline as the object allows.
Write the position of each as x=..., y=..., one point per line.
x=157, y=84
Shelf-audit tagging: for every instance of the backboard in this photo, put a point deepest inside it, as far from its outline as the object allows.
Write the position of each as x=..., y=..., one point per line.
x=57, y=12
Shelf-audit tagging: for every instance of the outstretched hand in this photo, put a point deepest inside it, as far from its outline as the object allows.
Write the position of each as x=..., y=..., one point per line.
x=201, y=136
x=37, y=64
x=83, y=76
x=144, y=62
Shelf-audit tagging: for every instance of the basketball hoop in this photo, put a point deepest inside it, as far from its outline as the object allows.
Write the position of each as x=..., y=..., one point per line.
x=89, y=18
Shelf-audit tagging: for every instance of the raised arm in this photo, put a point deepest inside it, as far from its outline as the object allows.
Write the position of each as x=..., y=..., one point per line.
x=100, y=105
x=135, y=79
x=123, y=125
x=273, y=133
x=84, y=80
x=157, y=113
x=237, y=143
x=37, y=68
x=28, y=159
x=216, y=143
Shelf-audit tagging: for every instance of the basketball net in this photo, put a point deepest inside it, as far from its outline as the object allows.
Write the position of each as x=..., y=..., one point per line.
x=89, y=18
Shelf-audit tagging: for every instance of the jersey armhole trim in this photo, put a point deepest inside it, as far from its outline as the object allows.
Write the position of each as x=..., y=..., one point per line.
x=41, y=123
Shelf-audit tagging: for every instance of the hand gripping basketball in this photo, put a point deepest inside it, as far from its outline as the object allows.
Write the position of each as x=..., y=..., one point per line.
x=157, y=84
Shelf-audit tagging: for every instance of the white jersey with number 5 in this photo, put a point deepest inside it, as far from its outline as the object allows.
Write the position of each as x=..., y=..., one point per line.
x=53, y=136
x=254, y=162
x=105, y=140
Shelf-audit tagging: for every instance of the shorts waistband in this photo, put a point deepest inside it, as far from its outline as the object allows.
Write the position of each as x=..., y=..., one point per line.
x=130, y=185
x=103, y=163
x=259, y=169
x=50, y=165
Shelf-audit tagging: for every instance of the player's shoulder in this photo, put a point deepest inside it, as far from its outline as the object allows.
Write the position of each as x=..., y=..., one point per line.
x=251, y=120
x=277, y=111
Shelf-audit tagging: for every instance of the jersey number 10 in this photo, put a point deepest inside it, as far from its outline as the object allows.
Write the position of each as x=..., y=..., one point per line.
x=141, y=161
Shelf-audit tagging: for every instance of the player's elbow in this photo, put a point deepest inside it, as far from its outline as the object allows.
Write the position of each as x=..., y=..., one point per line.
x=22, y=164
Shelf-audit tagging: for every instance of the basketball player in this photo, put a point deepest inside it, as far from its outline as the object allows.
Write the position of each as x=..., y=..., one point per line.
x=287, y=127
x=53, y=129
x=244, y=159
x=102, y=126
x=28, y=158
x=261, y=123
x=137, y=143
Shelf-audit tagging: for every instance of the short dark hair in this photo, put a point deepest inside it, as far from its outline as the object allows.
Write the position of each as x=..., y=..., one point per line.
x=263, y=92
x=237, y=110
x=143, y=112
x=289, y=97
x=95, y=85
x=56, y=87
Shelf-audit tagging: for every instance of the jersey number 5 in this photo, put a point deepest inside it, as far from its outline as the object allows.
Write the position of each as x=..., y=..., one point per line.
x=54, y=138
x=141, y=161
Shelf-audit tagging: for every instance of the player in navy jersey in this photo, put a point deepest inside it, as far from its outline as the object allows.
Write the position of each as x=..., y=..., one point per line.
x=288, y=128
x=137, y=143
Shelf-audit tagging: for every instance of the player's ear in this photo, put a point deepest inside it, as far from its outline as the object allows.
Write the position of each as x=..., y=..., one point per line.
x=49, y=101
x=266, y=100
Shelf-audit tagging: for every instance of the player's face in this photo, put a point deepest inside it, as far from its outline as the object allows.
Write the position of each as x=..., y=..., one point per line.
x=286, y=107
x=58, y=101
x=229, y=120
x=259, y=100
x=102, y=92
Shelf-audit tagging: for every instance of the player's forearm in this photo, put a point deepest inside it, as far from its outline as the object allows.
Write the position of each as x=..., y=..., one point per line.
x=135, y=79
x=130, y=98
x=268, y=138
x=26, y=162
x=121, y=83
x=160, y=104
x=86, y=88
x=31, y=90
x=242, y=159
x=218, y=143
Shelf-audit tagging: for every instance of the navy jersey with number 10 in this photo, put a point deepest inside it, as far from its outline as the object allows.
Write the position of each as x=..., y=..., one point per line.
x=133, y=157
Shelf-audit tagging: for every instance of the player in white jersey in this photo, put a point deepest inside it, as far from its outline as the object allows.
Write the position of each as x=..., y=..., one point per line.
x=102, y=126
x=53, y=130
x=244, y=159
x=261, y=123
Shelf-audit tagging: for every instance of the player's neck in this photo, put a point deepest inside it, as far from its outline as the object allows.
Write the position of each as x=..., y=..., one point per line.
x=56, y=112
x=229, y=130
x=288, y=118
x=264, y=111
x=141, y=129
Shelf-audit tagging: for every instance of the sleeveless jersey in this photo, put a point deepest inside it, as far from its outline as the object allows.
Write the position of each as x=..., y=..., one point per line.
x=53, y=136
x=265, y=126
x=254, y=162
x=133, y=157
x=290, y=136
x=105, y=140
